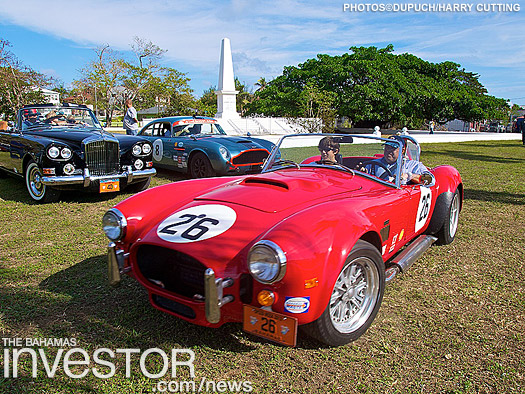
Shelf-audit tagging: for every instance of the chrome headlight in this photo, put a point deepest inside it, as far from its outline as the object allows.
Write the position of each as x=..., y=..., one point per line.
x=224, y=153
x=267, y=262
x=114, y=224
x=66, y=153
x=53, y=152
x=137, y=150
x=139, y=164
x=146, y=149
x=69, y=169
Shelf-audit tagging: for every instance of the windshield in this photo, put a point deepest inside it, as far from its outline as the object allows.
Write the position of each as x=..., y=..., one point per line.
x=369, y=156
x=196, y=126
x=37, y=118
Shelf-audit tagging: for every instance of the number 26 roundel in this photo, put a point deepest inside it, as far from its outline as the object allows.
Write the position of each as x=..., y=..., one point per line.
x=197, y=223
x=423, y=210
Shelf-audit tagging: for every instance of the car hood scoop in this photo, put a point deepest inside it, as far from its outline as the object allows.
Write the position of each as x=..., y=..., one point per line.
x=277, y=191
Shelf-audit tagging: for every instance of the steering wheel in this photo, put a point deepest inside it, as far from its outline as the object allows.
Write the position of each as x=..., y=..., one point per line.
x=325, y=161
x=379, y=164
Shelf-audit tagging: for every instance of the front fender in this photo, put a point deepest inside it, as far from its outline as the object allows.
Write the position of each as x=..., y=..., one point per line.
x=315, y=254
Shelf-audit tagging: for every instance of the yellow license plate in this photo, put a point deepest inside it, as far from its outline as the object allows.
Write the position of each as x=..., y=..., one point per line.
x=270, y=325
x=110, y=185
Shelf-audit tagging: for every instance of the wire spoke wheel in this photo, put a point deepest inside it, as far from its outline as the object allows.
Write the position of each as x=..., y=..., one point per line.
x=354, y=296
x=454, y=216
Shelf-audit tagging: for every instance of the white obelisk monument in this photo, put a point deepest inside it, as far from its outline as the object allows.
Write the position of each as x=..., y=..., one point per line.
x=226, y=93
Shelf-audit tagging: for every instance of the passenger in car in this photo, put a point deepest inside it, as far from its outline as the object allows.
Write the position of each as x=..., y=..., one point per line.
x=329, y=150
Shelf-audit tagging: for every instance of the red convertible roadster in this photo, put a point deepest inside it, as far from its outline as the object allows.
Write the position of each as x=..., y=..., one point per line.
x=310, y=241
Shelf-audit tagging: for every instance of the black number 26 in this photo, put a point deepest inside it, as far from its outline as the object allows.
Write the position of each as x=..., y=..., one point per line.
x=195, y=231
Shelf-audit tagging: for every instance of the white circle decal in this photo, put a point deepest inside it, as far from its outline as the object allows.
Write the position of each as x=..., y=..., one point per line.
x=157, y=150
x=197, y=223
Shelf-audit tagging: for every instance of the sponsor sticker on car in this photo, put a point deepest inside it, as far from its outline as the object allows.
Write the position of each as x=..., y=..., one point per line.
x=297, y=304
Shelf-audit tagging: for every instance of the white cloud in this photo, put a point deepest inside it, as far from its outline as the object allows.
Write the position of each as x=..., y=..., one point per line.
x=268, y=35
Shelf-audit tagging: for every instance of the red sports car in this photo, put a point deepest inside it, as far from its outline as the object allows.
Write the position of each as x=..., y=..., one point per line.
x=310, y=241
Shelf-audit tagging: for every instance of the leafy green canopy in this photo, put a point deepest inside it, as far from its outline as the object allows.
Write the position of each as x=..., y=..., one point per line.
x=373, y=86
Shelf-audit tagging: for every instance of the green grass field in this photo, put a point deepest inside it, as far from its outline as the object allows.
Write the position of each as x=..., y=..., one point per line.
x=455, y=323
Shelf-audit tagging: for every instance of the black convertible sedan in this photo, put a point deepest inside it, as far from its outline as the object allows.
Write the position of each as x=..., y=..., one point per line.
x=63, y=147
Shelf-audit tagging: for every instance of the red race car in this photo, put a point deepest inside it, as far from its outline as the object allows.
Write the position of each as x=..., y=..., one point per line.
x=311, y=241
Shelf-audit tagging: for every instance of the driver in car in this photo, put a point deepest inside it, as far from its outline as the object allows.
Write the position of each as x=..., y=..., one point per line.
x=329, y=150
x=412, y=171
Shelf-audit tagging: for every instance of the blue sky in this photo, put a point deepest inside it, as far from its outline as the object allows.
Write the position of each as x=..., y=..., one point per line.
x=58, y=37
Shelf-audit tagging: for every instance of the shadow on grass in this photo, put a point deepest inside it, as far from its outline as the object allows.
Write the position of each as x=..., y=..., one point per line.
x=500, y=197
x=14, y=189
x=479, y=157
x=78, y=301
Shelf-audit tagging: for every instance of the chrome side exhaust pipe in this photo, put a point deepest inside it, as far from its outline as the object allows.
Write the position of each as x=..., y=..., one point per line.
x=403, y=261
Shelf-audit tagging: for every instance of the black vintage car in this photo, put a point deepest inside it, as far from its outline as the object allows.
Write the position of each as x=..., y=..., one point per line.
x=64, y=147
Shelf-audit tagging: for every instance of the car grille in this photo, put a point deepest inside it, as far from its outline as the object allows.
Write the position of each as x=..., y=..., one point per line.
x=171, y=270
x=255, y=156
x=102, y=157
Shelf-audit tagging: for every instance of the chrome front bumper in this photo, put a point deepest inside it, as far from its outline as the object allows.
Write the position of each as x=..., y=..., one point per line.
x=87, y=178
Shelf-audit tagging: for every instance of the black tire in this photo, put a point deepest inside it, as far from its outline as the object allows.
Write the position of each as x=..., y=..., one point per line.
x=37, y=190
x=339, y=325
x=200, y=166
x=448, y=231
x=139, y=186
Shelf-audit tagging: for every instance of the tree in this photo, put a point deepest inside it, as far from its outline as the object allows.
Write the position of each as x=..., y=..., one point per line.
x=372, y=86
x=19, y=84
x=207, y=104
x=244, y=97
x=102, y=77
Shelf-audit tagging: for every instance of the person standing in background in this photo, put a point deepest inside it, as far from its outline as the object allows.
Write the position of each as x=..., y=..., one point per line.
x=131, y=123
x=431, y=126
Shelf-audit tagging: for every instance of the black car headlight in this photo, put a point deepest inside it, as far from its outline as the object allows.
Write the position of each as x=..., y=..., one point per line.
x=55, y=152
x=114, y=224
x=137, y=150
x=146, y=149
x=66, y=153
x=267, y=262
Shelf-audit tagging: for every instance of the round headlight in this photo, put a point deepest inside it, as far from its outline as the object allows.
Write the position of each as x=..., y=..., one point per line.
x=146, y=149
x=66, y=153
x=69, y=169
x=53, y=152
x=267, y=262
x=137, y=150
x=224, y=153
x=114, y=224
x=138, y=164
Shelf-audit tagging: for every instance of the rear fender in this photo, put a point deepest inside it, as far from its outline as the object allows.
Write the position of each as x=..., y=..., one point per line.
x=448, y=180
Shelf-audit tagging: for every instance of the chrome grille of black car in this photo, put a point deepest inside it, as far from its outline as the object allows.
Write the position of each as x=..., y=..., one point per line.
x=102, y=157
x=171, y=270
x=255, y=156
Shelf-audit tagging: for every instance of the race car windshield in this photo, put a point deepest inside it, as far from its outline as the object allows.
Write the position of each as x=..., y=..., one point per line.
x=49, y=118
x=186, y=129
x=362, y=155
